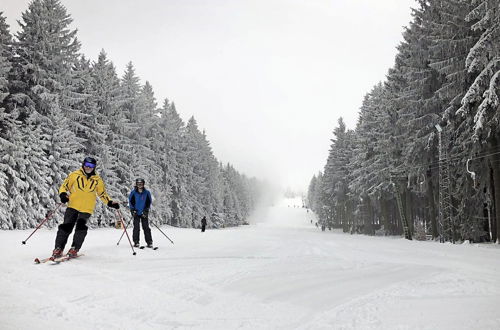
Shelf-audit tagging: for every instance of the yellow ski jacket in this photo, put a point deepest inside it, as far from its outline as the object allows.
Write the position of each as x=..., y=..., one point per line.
x=82, y=191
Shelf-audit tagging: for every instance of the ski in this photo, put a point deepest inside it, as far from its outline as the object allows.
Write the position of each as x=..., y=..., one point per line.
x=56, y=260
x=65, y=258
x=41, y=261
x=153, y=247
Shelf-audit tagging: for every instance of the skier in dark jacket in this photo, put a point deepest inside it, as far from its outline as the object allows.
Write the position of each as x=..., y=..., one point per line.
x=203, y=224
x=79, y=190
x=139, y=203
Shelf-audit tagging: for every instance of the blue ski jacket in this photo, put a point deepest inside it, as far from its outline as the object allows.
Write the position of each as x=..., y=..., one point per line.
x=139, y=201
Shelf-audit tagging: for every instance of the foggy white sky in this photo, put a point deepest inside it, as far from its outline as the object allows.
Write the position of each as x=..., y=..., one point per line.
x=266, y=79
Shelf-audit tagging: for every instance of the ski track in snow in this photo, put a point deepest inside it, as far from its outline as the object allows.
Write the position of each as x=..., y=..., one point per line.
x=279, y=273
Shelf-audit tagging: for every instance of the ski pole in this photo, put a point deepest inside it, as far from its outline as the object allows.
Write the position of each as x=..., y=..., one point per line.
x=162, y=232
x=49, y=215
x=124, y=203
x=123, y=233
x=120, y=216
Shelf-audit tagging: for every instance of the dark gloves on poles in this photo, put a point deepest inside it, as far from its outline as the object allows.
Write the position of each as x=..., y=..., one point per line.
x=133, y=212
x=114, y=205
x=64, y=197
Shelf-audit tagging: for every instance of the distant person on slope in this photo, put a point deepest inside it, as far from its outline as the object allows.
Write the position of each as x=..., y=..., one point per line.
x=203, y=224
x=139, y=203
x=79, y=190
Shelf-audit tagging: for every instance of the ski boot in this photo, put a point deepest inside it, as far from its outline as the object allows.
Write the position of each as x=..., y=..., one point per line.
x=57, y=253
x=72, y=253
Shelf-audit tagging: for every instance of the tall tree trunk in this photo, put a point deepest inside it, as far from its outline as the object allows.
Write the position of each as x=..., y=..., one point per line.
x=345, y=220
x=491, y=210
x=432, y=204
x=370, y=217
x=496, y=191
x=407, y=207
x=384, y=209
x=349, y=215
x=396, y=218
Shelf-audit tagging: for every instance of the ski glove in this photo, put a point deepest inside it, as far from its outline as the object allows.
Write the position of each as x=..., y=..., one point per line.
x=64, y=197
x=133, y=212
x=145, y=213
x=114, y=205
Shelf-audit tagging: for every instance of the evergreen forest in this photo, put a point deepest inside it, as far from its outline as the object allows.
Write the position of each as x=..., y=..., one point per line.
x=57, y=107
x=424, y=157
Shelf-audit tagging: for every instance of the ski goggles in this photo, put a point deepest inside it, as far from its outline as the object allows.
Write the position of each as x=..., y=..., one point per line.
x=86, y=164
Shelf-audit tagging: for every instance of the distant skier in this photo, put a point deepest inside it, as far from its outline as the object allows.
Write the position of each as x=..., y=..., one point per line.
x=140, y=202
x=82, y=185
x=203, y=224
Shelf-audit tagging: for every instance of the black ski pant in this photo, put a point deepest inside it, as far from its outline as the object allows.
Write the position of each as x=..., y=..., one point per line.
x=72, y=217
x=138, y=219
x=203, y=228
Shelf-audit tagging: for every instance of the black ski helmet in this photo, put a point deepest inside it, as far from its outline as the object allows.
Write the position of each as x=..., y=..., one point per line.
x=139, y=180
x=89, y=161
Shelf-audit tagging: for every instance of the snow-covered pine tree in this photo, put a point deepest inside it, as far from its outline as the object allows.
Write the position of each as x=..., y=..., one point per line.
x=234, y=197
x=334, y=198
x=231, y=205
x=310, y=193
x=414, y=84
x=41, y=91
x=363, y=151
x=316, y=204
x=21, y=155
x=172, y=160
x=53, y=55
x=145, y=162
x=481, y=105
x=196, y=184
x=242, y=189
x=212, y=197
x=393, y=145
x=146, y=135
x=483, y=60
x=341, y=153
x=371, y=174
x=134, y=149
x=108, y=98
x=452, y=38
x=130, y=88
x=5, y=43
x=91, y=126
x=130, y=143
x=147, y=101
x=330, y=181
x=8, y=126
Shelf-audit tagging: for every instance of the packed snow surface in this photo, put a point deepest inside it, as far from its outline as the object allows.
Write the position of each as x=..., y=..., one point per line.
x=280, y=272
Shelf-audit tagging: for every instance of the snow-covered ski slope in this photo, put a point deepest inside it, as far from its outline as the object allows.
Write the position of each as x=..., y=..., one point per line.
x=279, y=273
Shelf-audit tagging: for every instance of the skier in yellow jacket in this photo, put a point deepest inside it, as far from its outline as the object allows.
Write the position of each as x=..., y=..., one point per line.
x=79, y=190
